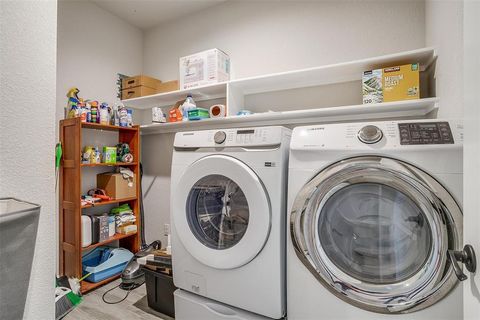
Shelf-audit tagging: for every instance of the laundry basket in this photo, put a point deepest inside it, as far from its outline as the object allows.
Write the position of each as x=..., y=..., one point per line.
x=18, y=232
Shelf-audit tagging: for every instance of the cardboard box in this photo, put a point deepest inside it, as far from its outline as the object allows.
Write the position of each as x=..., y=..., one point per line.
x=168, y=86
x=140, y=80
x=136, y=92
x=391, y=84
x=116, y=186
x=203, y=68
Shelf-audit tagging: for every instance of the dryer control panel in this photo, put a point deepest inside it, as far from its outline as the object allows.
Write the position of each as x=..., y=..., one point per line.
x=407, y=134
x=425, y=133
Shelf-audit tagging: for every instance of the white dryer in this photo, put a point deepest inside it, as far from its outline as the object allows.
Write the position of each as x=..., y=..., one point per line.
x=376, y=221
x=228, y=211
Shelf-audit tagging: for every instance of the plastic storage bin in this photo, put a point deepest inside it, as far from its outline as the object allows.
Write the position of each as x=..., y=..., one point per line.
x=105, y=262
x=160, y=290
x=18, y=231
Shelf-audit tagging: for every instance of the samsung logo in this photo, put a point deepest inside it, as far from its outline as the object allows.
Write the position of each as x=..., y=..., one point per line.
x=316, y=129
x=188, y=134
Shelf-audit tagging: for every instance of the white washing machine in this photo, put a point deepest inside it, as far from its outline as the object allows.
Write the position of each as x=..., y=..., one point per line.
x=376, y=221
x=228, y=211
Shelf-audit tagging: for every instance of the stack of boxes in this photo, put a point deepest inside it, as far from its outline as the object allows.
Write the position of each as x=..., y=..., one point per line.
x=139, y=86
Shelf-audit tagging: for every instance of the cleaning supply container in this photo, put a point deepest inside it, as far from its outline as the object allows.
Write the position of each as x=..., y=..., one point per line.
x=160, y=290
x=198, y=114
x=104, y=262
x=18, y=231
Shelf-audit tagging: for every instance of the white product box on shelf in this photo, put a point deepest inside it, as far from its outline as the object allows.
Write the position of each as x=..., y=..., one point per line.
x=203, y=68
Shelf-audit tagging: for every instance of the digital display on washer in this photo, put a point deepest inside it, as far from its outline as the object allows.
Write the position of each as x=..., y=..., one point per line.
x=425, y=133
x=249, y=131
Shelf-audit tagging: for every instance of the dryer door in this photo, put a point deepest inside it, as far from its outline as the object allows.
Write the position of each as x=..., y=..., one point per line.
x=221, y=212
x=375, y=231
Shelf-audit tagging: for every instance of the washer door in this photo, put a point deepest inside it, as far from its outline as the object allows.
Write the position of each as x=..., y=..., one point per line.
x=221, y=212
x=375, y=231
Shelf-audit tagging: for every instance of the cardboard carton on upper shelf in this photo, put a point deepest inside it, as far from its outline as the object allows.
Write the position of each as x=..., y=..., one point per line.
x=140, y=80
x=116, y=186
x=391, y=84
x=136, y=92
x=167, y=86
x=203, y=68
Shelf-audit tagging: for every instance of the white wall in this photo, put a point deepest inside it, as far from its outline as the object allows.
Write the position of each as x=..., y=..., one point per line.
x=471, y=201
x=444, y=31
x=93, y=46
x=264, y=37
x=28, y=52
x=267, y=36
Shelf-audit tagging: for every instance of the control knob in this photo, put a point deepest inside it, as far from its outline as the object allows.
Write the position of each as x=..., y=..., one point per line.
x=370, y=134
x=219, y=137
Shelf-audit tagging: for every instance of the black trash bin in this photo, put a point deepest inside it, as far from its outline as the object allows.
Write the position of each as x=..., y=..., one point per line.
x=160, y=290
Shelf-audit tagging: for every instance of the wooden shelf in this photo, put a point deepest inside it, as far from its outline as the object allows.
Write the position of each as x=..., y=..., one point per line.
x=117, y=164
x=115, y=237
x=107, y=127
x=103, y=203
x=406, y=108
x=70, y=188
x=89, y=286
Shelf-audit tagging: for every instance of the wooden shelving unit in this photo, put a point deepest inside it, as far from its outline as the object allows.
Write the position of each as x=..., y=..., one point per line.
x=115, y=237
x=89, y=286
x=103, y=203
x=118, y=164
x=70, y=208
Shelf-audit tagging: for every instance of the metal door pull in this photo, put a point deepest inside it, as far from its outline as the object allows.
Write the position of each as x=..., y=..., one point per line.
x=467, y=257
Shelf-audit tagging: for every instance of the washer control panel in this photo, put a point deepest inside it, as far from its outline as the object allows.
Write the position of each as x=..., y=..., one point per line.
x=249, y=137
x=370, y=134
x=219, y=137
x=415, y=133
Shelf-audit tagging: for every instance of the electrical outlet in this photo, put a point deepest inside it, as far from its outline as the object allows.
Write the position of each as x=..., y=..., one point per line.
x=166, y=229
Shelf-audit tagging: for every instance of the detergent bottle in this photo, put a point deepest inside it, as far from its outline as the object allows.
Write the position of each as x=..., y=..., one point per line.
x=189, y=104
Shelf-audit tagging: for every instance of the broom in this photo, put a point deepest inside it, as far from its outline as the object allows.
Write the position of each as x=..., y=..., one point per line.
x=65, y=301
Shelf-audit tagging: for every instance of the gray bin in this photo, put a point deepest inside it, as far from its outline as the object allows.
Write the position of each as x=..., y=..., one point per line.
x=18, y=232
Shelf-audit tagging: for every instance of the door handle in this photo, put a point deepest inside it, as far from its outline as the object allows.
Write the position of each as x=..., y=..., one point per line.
x=467, y=257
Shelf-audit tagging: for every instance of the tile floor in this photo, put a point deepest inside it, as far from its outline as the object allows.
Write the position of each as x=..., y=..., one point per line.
x=133, y=308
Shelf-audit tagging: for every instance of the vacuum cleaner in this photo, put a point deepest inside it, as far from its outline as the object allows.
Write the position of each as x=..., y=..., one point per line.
x=133, y=276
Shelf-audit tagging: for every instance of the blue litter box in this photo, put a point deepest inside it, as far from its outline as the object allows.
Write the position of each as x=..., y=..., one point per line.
x=104, y=262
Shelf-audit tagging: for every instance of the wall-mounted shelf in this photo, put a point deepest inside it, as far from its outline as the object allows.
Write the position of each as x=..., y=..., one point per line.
x=406, y=108
x=209, y=92
x=235, y=90
x=330, y=74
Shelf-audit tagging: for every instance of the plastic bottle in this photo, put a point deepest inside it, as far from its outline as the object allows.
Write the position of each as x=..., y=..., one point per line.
x=123, y=116
x=116, y=113
x=129, y=118
x=189, y=104
x=104, y=113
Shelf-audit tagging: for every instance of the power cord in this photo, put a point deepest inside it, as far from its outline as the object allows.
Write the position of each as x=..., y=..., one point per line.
x=128, y=289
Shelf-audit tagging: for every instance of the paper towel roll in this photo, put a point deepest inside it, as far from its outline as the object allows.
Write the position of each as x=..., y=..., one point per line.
x=218, y=111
